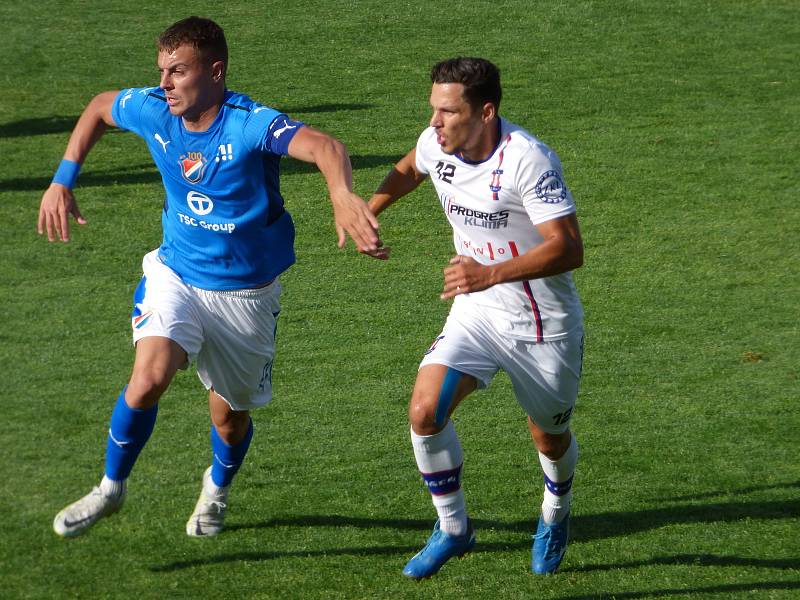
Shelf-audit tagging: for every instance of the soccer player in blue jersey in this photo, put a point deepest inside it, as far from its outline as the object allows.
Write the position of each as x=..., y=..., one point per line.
x=515, y=306
x=210, y=292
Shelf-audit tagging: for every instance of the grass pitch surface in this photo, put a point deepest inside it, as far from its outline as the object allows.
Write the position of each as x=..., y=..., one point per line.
x=677, y=127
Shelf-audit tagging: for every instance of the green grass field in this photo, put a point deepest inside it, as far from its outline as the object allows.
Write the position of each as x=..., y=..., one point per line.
x=677, y=124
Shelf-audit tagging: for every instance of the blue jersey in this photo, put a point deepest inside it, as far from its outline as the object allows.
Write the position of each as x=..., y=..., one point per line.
x=225, y=226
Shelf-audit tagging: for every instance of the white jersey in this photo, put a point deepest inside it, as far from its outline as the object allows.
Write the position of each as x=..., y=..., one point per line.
x=493, y=207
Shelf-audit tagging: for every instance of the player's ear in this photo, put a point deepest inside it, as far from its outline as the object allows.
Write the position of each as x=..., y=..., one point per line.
x=489, y=112
x=218, y=71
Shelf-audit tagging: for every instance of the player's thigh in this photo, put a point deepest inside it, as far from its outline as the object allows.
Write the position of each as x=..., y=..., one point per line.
x=164, y=306
x=546, y=379
x=438, y=390
x=458, y=362
x=166, y=331
x=239, y=348
x=156, y=362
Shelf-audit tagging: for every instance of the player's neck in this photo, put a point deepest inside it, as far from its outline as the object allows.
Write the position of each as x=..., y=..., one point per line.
x=202, y=120
x=486, y=143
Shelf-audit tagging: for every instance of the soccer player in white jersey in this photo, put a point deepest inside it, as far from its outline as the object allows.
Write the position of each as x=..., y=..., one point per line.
x=210, y=292
x=514, y=308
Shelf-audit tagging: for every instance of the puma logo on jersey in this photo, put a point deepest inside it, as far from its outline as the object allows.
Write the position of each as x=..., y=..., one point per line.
x=161, y=141
x=125, y=98
x=278, y=133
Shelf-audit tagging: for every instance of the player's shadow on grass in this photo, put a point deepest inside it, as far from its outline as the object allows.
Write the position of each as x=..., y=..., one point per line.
x=743, y=589
x=43, y=126
x=65, y=124
x=584, y=528
x=39, y=126
x=131, y=175
x=696, y=560
x=747, y=490
x=606, y=525
x=147, y=173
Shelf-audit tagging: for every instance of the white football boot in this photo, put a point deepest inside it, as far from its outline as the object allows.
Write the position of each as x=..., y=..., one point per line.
x=79, y=516
x=209, y=512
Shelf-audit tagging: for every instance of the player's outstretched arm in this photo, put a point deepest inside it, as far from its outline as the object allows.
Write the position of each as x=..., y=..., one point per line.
x=402, y=179
x=561, y=251
x=350, y=213
x=58, y=201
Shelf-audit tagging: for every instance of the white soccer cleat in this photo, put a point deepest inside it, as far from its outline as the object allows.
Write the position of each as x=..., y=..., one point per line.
x=209, y=513
x=81, y=515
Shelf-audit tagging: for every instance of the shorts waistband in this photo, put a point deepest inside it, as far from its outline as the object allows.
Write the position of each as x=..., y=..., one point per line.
x=243, y=293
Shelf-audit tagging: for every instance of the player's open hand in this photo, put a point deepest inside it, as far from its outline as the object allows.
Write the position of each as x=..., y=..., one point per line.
x=354, y=218
x=57, y=204
x=464, y=275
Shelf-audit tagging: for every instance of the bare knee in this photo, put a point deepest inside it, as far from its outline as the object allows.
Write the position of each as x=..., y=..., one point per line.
x=552, y=445
x=145, y=389
x=554, y=448
x=422, y=415
x=231, y=425
x=157, y=360
x=437, y=392
x=233, y=430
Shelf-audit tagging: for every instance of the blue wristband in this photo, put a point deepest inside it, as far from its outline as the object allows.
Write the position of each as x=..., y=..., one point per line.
x=67, y=173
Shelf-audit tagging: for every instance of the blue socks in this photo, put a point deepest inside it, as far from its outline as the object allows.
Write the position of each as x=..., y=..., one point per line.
x=129, y=431
x=131, y=428
x=227, y=459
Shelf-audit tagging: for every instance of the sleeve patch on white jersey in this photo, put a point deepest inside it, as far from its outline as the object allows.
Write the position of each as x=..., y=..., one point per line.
x=550, y=188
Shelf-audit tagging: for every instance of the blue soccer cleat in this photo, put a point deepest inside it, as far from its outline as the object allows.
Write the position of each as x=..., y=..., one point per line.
x=440, y=548
x=549, y=546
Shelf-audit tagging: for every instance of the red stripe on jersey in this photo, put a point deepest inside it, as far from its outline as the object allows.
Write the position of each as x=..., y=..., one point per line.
x=537, y=316
x=495, y=186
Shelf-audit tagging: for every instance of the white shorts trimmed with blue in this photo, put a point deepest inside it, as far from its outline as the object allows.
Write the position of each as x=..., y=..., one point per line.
x=545, y=375
x=231, y=334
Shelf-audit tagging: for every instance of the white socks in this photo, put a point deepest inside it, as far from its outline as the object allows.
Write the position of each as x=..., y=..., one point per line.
x=212, y=489
x=439, y=459
x=111, y=487
x=558, y=483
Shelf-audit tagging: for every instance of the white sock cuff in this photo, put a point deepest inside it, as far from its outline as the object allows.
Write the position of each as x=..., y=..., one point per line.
x=438, y=452
x=563, y=468
x=112, y=487
x=213, y=490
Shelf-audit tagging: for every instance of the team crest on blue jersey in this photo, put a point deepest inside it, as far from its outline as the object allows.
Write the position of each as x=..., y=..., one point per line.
x=193, y=165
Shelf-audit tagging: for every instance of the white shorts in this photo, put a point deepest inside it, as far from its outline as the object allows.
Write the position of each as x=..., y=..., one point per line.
x=231, y=334
x=545, y=375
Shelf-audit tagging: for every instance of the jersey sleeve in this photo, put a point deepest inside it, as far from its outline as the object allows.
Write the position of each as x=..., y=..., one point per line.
x=425, y=144
x=270, y=131
x=540, y=181
x=130, y=108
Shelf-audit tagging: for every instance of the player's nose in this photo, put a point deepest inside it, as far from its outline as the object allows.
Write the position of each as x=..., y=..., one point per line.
x=166, y=82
